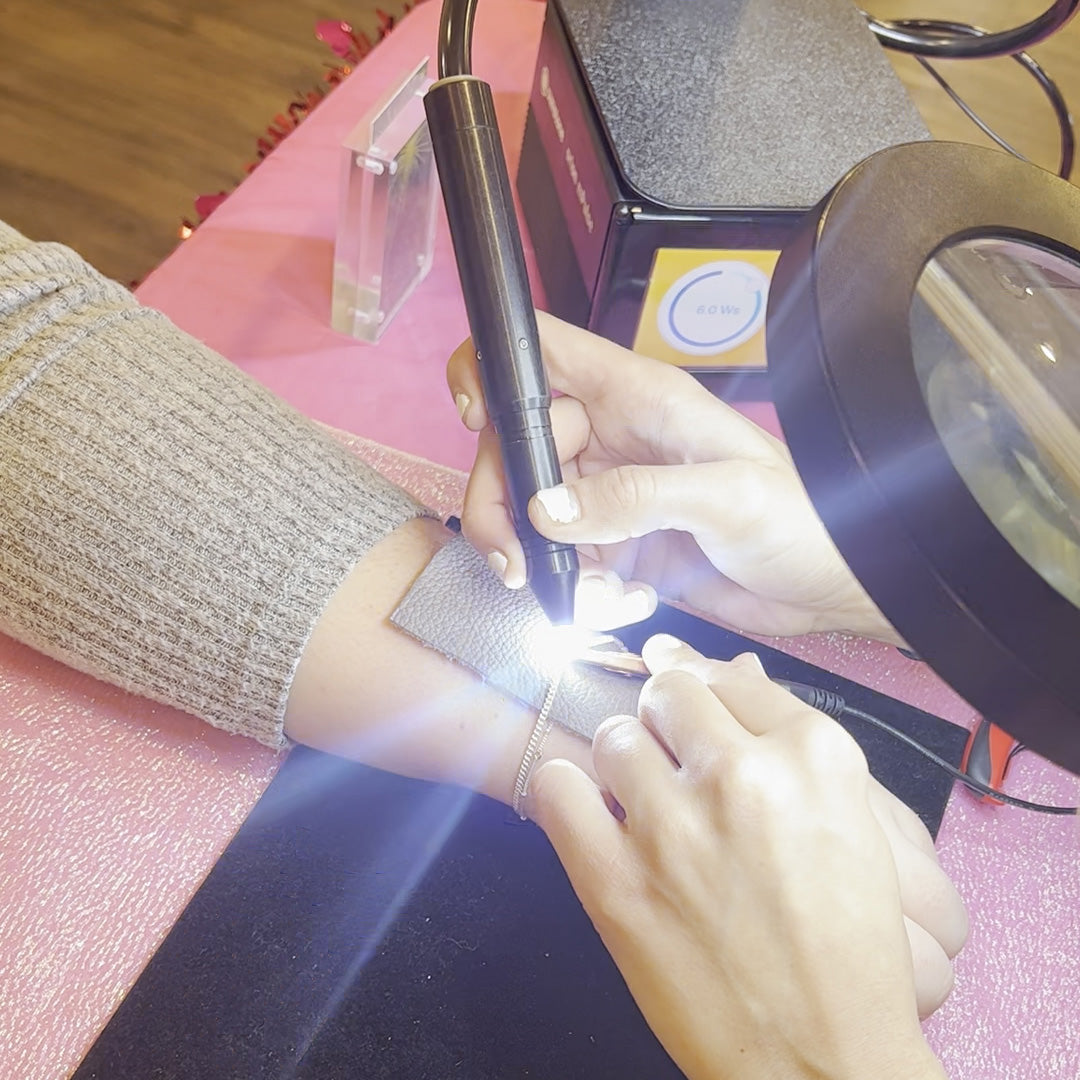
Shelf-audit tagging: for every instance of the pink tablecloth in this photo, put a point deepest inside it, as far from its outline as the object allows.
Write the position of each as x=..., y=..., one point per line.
x=112, y=811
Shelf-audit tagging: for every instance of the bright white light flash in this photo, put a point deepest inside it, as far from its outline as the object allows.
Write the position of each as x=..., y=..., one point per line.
x=553, y=648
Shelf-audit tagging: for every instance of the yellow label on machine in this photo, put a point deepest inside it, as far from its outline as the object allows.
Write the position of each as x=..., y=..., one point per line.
x=705, y=307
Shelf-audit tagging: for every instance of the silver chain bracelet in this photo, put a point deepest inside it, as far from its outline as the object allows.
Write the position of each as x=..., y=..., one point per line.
x=534, y=749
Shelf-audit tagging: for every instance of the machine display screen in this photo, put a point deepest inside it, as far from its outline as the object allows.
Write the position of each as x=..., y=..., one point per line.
x=704, y=308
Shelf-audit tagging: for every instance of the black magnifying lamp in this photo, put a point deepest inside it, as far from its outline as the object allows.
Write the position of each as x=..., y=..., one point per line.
x=924, y=349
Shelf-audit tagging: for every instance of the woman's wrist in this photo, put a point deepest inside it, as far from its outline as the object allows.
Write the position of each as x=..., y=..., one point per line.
x=367, y=691
x=917, y=1062
x=852, y=1057
x=885, y=1058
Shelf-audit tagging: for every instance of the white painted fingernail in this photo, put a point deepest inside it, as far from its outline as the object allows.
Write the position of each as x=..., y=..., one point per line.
x=639, y=603
x=560, y=504
x=498, y=563
x=751, y=659
x=664, y=641
x=602, y=586
x=591, y=587
x=462, y=401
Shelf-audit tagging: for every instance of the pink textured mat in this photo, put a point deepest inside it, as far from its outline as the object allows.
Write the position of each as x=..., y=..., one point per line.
x=112, y=810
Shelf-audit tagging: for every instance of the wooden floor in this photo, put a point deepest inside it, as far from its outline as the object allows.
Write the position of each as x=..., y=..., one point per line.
x=999, y=90
x=117, y=113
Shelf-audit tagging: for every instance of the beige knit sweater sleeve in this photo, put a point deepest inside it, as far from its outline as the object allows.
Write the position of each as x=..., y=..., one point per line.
x=166, y=524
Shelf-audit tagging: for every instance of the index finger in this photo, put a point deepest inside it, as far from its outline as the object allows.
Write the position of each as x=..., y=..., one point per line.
x=741, y=684
x=659, y=412
x=463, y=379
x=687, y=718
x=670, y=410
x=567, y=804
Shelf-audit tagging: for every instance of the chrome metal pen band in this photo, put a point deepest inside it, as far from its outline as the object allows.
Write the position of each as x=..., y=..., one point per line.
x=534, y=749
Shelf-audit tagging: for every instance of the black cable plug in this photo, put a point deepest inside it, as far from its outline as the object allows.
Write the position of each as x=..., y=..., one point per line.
x=823, y=700
x=833, y=705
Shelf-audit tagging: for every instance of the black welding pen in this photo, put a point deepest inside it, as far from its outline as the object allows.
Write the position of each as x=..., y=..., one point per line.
x=491, y=265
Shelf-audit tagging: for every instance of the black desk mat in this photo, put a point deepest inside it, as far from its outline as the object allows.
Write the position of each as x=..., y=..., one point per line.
x=362, y=925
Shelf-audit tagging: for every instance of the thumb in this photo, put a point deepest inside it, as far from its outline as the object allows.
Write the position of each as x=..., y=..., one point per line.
x=629, y=501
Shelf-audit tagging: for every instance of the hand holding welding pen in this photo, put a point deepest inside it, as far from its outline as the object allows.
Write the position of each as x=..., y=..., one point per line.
x=667, y=485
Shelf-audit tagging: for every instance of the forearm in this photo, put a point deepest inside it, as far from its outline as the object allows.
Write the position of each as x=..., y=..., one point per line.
x=169, y=526
x=366, y=690
x=166, y=524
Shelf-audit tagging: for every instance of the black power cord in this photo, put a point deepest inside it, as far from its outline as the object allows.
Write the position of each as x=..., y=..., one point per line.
x=908, y=35
x=835, y=706
x=455, y=38
x=1053, y=94
x=945, y=39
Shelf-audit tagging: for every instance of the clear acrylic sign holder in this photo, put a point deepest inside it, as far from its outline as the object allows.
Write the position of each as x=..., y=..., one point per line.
x=386, y=211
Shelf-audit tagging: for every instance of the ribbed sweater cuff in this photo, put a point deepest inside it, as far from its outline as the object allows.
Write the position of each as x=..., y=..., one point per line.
x=166, y=524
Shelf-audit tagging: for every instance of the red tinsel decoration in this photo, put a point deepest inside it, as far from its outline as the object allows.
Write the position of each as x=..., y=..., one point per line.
x=350, y=47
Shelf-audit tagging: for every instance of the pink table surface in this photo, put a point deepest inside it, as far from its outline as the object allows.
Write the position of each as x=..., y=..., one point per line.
x=114, y=810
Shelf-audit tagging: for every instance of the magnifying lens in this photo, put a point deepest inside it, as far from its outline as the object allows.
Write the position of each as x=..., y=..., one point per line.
x=923, y=337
